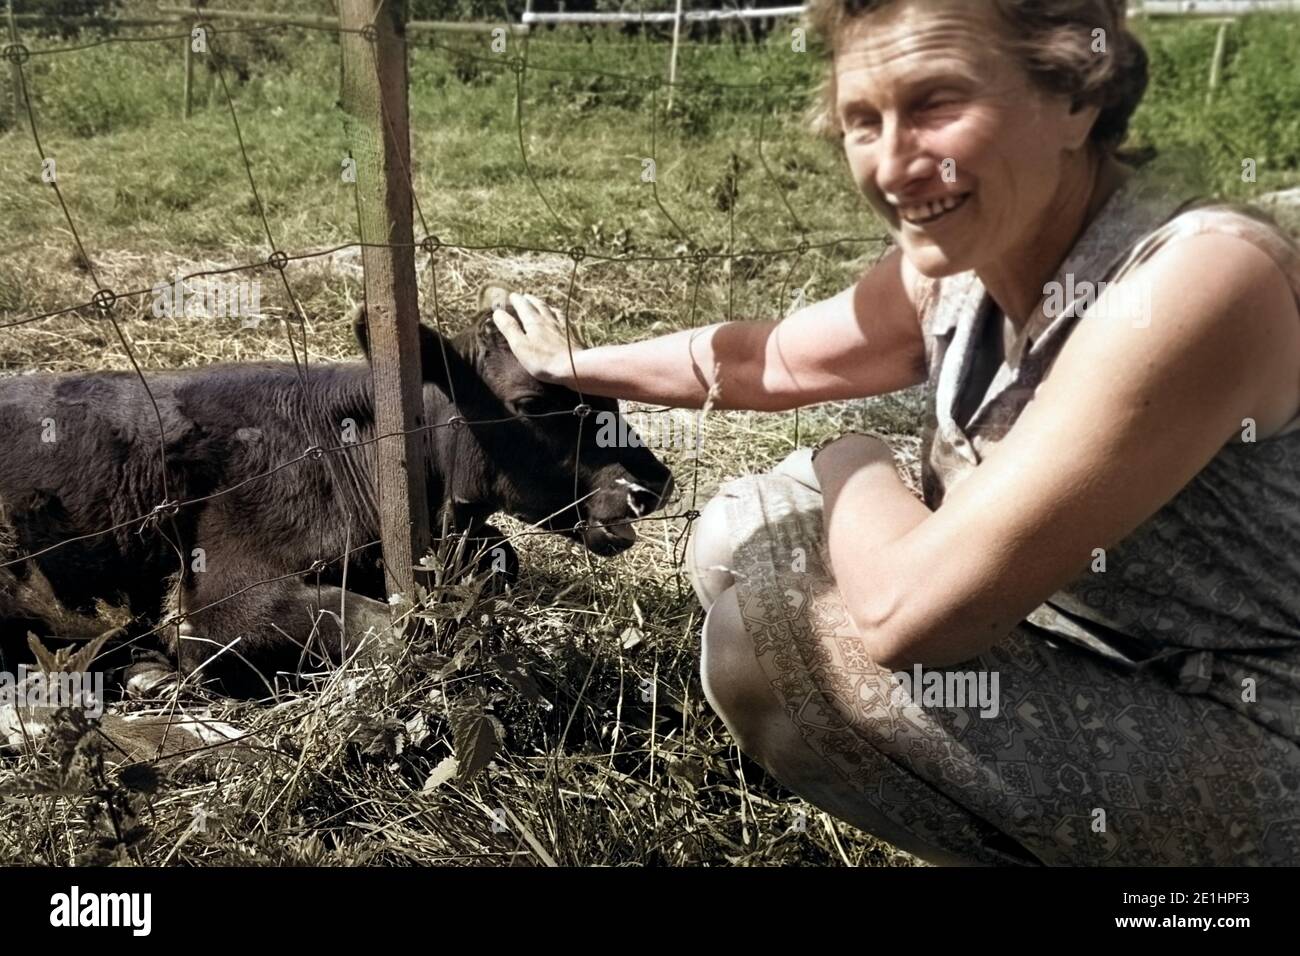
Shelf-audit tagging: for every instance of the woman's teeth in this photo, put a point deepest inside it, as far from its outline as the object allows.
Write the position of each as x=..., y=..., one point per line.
x=930, y=211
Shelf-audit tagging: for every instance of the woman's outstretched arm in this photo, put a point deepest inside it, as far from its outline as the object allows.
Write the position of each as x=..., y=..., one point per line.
x=864, y=341
x=1133, y=408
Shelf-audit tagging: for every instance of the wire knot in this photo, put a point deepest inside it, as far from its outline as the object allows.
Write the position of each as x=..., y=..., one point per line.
x=167, y=509
x=103, y=300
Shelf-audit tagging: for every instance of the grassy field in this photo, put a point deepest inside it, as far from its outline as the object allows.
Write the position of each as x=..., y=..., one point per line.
x=593, y=770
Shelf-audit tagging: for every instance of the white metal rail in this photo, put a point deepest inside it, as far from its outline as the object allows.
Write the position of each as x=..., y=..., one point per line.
x=1158, y=8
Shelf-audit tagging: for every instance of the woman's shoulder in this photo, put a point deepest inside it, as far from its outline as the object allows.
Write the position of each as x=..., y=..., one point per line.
x=1208, y=216
x=1246, y=288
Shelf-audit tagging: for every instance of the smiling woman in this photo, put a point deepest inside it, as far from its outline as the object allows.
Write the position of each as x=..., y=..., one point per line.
x=1109, y=536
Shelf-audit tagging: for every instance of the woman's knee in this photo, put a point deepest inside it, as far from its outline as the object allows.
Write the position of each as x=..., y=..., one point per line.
x=710, y=559
x=708, y=553
x=734, y=683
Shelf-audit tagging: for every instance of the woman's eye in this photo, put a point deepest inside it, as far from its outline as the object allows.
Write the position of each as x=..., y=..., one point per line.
x=942, y=101
x=860, y=122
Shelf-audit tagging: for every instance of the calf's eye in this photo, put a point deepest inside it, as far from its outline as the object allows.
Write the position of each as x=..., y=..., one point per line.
x=532, y=405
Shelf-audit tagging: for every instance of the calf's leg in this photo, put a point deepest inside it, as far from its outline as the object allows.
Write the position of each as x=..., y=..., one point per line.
x=242, y=639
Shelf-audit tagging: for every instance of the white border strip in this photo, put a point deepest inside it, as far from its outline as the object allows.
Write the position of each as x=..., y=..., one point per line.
x=1209, y=8
x=1213, y=8
x=664, y=16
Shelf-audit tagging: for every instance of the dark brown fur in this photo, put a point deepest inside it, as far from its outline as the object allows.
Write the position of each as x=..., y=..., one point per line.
x=226, y=424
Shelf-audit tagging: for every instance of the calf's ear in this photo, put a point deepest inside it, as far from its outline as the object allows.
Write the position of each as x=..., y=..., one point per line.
x=357, y=318
x=493, y=296
x=440, y=363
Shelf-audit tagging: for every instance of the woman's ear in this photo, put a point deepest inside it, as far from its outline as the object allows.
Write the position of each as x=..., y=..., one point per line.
x=1080, y=122
x=493, y=296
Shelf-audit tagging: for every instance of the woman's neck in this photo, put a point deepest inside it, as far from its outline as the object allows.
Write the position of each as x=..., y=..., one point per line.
x=1016, y=281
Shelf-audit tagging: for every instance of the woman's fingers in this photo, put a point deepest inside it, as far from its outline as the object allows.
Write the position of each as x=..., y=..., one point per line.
x=539, y=338
x=536, y=316
x=542, y=323
x=543, y=309
x=529, y=314
x=509, y=326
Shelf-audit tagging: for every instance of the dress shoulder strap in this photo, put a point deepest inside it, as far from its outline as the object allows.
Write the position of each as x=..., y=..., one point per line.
x=1245, y=222
x=1235, y=219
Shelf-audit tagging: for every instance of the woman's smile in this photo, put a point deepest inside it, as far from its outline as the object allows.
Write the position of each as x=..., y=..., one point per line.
x=924, y=213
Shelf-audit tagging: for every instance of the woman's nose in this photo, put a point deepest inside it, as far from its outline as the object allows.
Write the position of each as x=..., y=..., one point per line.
x=900, y=164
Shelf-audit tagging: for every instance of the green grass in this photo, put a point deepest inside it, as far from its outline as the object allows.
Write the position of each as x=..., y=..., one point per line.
x=1253, y=114
x=632, y=782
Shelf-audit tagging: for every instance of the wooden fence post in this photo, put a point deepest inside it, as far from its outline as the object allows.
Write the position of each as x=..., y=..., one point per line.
x=374, y=100
x=15, y=72
x=189, y=72
x=672, y=62
x=1216, y=62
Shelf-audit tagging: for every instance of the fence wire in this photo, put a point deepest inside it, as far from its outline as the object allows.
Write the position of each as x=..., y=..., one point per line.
x=161, y=519
x=333, y=457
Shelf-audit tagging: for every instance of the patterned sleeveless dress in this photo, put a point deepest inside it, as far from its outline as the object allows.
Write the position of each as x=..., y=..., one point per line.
x=1148, y=714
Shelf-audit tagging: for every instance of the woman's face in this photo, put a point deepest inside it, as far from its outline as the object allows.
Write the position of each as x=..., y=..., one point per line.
x=946, y=136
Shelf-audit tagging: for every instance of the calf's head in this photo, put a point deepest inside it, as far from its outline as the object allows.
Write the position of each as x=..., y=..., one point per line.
x=539, y=452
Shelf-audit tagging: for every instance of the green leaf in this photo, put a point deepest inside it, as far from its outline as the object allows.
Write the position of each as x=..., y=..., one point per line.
x=141, y=777
x=378, y=737
x=476, y=734
x=463, y=653
x=510, y=668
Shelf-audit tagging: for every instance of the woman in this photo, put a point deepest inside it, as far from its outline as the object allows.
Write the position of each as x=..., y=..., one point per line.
x=1109, y=546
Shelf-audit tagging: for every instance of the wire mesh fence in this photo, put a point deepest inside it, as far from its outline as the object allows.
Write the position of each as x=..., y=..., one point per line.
x=103, y=304
x=504, y=51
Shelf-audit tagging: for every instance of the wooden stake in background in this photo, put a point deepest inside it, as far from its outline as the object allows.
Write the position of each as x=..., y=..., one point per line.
x=672, y=61
x=189, y=73
x=374, y=100
x=15, y=72
x=1216, y=63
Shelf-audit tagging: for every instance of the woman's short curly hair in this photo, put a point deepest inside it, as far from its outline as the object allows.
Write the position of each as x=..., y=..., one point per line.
x=1053, y=41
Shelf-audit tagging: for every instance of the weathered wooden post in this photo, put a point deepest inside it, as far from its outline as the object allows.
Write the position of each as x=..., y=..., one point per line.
x=15, y=71
x=374, y=100
x=1216, y=62
x=189, y=71
x=672, y=62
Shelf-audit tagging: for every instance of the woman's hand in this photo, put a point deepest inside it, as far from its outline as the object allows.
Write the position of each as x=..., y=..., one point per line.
x=538, y=338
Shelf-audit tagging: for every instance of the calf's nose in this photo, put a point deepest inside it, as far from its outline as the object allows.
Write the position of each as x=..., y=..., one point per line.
x=645, y=497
